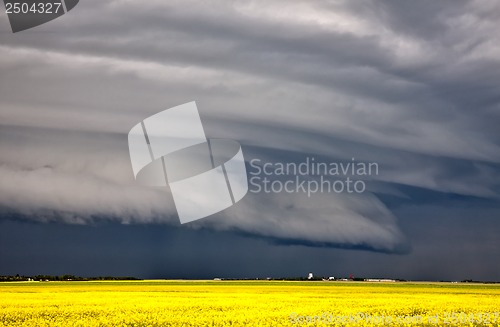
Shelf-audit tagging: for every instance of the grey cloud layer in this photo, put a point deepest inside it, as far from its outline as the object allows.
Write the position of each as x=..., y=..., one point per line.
x=412, y=86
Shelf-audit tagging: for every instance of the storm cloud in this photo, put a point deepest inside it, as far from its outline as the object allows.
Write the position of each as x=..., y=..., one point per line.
x=412, y=86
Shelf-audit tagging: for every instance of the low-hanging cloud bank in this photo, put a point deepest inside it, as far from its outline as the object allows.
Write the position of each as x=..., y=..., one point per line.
x=411, y=86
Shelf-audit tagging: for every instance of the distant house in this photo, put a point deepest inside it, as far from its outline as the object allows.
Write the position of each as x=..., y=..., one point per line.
x=311, y=276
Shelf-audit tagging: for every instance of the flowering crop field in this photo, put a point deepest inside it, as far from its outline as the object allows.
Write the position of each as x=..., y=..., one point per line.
x=247, y=303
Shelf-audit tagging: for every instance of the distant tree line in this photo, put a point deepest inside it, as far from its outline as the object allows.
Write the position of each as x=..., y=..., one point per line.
x=43, y=278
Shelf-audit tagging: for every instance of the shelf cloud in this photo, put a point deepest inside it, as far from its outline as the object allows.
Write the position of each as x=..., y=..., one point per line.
x=413, y=86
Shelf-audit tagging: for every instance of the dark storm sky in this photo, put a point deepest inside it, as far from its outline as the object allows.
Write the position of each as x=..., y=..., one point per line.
x=413, y=86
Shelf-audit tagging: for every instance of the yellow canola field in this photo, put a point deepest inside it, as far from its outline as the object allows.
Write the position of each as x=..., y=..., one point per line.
x=248, y=303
